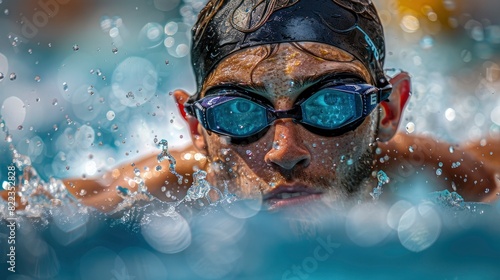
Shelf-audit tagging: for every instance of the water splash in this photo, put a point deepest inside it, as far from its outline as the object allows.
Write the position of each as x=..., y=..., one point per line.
x=42, y=199
x=382, y=179
x=201, y=188
x=165, y=155
x=135, y=217
x=38, y=196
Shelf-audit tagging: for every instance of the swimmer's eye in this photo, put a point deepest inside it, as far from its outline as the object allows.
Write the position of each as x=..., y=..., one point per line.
x=241, y=106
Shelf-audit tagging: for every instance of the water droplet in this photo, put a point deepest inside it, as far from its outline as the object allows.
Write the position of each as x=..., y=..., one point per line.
x=30, y=51
x=440, y=164
x=37, y=79
x=6, y=12
x=50, y=45
x=110, y=115
x=90, y=90
x=439, y=171
x=1, y=76
x=410, y=127
x=382, y=177
x=12, y=76
x=410, y=148
x=276, y=145
x=114, y=50
x=54, y=102
x=427, y=42
x=451, y=149
x=378, y=151
x=249, y=153
x=65, y=86
x=167, y=62
x=486, y=190
x=350, y=161
x=450, y=114
x=20, y=127
x=75, y=47
x=137, y=172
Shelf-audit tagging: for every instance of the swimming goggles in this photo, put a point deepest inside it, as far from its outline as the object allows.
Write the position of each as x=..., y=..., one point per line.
x=330, y=110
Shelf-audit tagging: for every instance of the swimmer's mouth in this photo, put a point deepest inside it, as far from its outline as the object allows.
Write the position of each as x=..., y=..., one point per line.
x=285, y=196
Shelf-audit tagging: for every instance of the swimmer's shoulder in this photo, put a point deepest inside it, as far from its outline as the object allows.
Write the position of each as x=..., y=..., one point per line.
x=467, y=168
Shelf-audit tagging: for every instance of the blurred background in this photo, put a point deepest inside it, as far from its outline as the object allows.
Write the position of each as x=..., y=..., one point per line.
x=86, y=84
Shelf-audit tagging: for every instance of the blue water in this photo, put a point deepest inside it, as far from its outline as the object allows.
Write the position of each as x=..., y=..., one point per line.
x=265, y=246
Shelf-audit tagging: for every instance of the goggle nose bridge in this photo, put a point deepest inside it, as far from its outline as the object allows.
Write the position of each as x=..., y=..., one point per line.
x=295, y=113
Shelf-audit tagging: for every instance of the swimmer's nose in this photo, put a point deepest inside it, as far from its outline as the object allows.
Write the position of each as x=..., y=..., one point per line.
x=288, y=149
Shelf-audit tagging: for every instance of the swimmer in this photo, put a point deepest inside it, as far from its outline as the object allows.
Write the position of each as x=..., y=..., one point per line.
x=293, y=107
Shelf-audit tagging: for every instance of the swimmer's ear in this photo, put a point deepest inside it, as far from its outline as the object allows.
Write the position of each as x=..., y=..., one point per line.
x=392, y=110
x=194, y=126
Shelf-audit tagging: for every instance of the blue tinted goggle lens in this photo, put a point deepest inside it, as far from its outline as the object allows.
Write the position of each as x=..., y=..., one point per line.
x=238, y=117
x=330, y=109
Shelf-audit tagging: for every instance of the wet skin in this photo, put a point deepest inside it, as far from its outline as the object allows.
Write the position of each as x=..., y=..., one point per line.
x=289, y=160
x=301, y=164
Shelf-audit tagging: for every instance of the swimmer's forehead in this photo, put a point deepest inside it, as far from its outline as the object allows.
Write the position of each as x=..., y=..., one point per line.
x=301, y=63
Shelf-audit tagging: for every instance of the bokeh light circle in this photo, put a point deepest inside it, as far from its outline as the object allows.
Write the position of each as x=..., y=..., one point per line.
x=167, y=234
x=13, y=112
x=419, y=227
x=151, y=35
x=134, y=81
x=366, y=224
x=178, y=44
x=244, y=209
x=396, y=211
x=495, y=115
x=4, y=65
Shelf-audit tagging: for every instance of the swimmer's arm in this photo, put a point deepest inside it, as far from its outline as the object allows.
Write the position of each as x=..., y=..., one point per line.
x=101, y=193
x=474, y=177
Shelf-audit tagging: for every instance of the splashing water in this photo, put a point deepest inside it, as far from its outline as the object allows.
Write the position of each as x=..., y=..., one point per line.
x=41, y=198
x=38, y=196
x=165, y=155
x=201, y=188
x=382, y=179
x=136, y=217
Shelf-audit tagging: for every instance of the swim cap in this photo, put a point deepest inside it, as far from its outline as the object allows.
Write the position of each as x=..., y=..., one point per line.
x=225, y=27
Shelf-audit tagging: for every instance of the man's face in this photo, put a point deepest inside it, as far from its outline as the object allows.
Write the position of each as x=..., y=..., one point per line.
x=290, y=165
